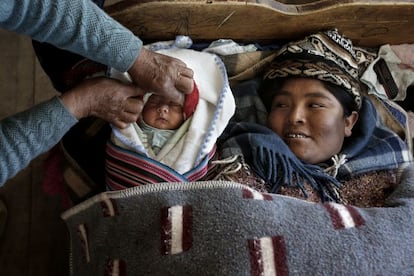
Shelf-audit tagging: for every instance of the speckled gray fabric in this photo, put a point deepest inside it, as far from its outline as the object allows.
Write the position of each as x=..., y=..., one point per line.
x=224, y=228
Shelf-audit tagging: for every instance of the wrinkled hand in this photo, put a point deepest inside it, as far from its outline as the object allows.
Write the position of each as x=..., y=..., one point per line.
x=108, y=99
x=162, y=74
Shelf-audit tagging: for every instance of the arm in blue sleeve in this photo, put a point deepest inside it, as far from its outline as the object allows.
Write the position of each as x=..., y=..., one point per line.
x=79, y=26
x=30, y=133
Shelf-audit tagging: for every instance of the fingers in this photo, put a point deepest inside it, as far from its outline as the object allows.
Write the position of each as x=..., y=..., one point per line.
x=122, y=112
x=184, y=83
x=108, y=99
x=185, y=73
x=119, y=124
x=124, y=119
x=127, y=113
x=182, y=77
x=133, y=105
x=162, y=74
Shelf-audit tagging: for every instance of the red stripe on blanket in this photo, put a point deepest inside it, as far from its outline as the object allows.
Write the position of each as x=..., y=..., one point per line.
x=187, y=227
x=279, y=248
x=84, y=241
x=255, y=257
x=202, y=171
x=114, y=185
x=127, y=177
x=358, y=219
x=109, y=207
x=268, y=256
x=125, y=158
x=115, y=267
x=197, y=175
x=176, y=229
x=124, y=170
x=253, y=194
x=344, y=216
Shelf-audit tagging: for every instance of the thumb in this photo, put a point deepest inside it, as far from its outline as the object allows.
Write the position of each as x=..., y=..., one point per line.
x=135, y=92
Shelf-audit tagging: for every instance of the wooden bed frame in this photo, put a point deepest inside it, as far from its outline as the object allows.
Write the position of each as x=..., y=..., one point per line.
x=367, y=23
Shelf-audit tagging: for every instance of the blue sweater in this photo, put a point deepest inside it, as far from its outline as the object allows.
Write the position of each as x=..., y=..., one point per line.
x=30, y=133
x=79, y=26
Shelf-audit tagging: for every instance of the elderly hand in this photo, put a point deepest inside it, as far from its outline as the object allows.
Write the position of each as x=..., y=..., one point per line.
x=108, y=99
x=163, y=75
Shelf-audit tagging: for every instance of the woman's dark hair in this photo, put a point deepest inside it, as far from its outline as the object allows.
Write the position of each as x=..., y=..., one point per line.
x=268, y=88
x=344, y=98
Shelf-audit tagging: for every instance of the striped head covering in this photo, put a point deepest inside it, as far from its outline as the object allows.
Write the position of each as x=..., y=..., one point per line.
x=326, y=56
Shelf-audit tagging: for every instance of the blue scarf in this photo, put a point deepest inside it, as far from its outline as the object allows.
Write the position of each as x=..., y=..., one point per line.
x=273, y=161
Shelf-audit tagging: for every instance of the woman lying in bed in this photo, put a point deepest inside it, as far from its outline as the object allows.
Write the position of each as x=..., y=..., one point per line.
x=322, y=139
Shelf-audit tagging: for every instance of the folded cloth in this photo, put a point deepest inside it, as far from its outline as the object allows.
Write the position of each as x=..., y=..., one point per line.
x=389, y=75
x=228, y=47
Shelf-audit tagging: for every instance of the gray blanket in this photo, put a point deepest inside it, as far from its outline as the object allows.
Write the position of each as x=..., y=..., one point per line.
x=224, y=228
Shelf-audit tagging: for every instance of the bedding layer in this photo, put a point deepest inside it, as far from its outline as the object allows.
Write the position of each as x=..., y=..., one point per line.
x=225, y=228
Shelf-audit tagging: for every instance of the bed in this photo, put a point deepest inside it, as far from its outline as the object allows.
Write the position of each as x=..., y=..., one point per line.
x=225, y=228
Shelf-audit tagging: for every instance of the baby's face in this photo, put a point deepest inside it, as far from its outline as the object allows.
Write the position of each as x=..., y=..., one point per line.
x=162, y=113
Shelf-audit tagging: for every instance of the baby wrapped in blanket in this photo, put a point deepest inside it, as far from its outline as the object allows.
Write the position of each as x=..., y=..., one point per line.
x=141, y=154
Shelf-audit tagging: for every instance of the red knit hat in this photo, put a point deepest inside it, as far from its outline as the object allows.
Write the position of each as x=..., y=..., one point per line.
x=190, y=102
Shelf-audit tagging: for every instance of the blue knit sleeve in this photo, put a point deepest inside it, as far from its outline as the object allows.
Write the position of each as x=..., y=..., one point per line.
x=79, y=26
x=30, y=133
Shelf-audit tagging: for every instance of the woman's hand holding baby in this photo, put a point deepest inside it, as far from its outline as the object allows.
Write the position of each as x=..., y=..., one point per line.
x=121, y=104
x=162, y=75
x=115, y=102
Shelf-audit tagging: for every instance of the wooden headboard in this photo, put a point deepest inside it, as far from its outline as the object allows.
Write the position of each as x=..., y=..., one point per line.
x=367, y=23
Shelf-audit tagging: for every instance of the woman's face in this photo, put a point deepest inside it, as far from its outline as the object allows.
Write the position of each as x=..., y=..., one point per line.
x=162, y=113
x=309, y=119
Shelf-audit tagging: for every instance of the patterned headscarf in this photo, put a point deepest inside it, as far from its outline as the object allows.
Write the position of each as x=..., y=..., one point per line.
x=326, y=56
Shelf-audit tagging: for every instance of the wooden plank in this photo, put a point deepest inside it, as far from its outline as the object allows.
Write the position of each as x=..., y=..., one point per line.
x=35, y=241
x=15, y=241
x=49, y=240
x=49, y=243
x=16, y=92
x=16, y=73
x=367, y=23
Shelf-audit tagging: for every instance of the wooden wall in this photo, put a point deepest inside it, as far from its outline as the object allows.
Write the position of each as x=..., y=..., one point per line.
x=35, y=241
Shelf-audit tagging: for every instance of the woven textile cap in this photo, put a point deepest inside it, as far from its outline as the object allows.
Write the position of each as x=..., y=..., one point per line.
x=326, y=56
